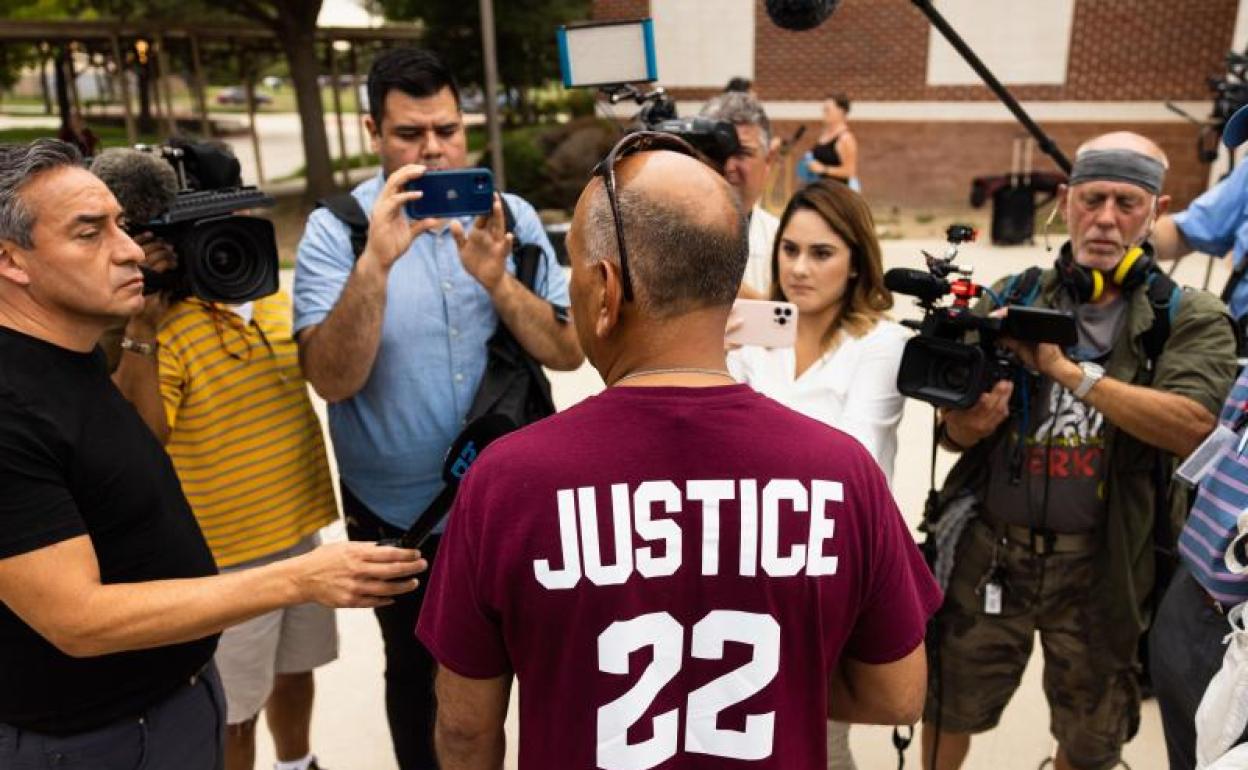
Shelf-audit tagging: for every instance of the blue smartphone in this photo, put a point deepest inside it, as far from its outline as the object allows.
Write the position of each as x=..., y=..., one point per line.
x=455, y=193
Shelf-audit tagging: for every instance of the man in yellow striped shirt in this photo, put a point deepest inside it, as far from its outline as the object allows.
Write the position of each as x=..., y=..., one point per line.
x=230, y=404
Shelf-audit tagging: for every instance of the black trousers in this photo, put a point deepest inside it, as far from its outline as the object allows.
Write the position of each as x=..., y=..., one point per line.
x=185, y=731
x=410, y=704
x=1185, y=652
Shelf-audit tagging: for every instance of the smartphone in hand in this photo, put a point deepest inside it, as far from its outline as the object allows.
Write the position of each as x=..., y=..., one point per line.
x=453, y=193
x=764, y=323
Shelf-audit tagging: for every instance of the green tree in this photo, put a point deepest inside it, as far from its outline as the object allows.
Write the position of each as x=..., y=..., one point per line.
x=524, y=30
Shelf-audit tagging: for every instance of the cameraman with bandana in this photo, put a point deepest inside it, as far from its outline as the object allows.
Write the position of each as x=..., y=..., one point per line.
x=1061, y=478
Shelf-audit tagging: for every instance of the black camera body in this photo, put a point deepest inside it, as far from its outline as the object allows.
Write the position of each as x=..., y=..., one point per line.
x=939, y=365
x=716, y=139
x=223, y=256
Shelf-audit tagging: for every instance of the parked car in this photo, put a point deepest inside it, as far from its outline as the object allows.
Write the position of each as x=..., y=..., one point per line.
x=238, y=95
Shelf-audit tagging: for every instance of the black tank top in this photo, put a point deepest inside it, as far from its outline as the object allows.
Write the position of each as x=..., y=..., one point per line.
x=826, y=153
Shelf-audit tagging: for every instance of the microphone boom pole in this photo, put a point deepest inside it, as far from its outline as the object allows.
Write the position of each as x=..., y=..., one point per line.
x=1043, y=140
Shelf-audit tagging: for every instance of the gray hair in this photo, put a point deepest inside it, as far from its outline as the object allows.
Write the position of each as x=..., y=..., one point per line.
x=739, y=108
x=19, y=163
x=676, y=264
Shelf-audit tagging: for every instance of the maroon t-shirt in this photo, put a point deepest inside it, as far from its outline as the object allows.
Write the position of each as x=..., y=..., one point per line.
x=672, y=573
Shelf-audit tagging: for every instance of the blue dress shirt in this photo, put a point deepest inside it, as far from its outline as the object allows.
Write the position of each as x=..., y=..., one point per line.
x=1217, y=222
x=390, y=437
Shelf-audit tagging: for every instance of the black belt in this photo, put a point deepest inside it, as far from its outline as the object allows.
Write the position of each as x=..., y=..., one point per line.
x=1043, y=542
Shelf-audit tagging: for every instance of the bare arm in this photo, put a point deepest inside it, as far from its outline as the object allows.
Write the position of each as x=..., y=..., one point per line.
x=1165, y=420
x=469, y=732
x=137, y=375
x=886, y=694
x=337, y=355
x=1162, y=419
x=483, y=252
x=138, y=379
x=532, y=321
x=847, y=148
x=1167, y=239
x=56, y=590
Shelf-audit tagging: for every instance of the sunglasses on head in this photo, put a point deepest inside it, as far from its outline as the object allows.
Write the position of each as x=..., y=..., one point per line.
x=631, y=144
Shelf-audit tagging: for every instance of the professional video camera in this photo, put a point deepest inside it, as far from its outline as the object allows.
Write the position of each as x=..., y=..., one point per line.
x=189, y=195
x=1230, y=92
x=613, y=56
x=939, y=365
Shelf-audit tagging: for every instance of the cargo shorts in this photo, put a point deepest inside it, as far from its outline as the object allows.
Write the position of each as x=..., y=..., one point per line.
x=976, y=660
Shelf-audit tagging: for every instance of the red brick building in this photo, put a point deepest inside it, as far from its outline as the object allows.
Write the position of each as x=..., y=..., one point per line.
x=925, y=123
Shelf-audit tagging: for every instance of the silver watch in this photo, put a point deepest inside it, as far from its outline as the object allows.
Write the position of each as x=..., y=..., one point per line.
x=1092, y=374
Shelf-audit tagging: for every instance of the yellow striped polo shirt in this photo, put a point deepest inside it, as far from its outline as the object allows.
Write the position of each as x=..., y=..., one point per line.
x=243, y=437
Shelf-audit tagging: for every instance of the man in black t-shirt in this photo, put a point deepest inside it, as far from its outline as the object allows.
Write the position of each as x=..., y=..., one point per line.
x=109, y=602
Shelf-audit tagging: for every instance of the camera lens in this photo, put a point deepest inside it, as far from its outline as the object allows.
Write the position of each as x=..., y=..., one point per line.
x=224, y=258
x=788, y=311
x=782, y=320
x=231, y=259
x=955, y=376
x=778, y=311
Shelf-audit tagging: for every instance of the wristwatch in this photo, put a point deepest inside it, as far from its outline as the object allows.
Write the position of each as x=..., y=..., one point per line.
x=1092, y=374
x=142, y=348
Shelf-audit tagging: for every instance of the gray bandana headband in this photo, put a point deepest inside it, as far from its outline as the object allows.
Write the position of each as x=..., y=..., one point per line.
x=1119, y=166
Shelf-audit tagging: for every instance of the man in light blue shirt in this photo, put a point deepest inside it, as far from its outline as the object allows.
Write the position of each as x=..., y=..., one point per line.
x=395, y=340
x=1216, y=222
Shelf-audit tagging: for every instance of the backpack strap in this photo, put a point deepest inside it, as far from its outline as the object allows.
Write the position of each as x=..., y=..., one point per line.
x=1164, y=295
x=527, y=256
x=347, y=209
x=1023, y=288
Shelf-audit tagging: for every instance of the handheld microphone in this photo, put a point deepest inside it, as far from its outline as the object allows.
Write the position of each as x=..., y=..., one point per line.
x=799, y=15
x=464, y=451
x=144, y=185
x=916, y=283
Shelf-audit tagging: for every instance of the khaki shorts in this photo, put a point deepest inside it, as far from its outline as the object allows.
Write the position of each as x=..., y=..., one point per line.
x=287, y=641
x=977, y=660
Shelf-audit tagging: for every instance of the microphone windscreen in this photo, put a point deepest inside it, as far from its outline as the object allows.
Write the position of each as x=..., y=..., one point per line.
x=916, y=283
x=144, y=185
x=799, y=15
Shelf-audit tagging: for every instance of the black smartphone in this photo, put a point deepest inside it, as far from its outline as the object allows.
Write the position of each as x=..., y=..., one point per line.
x=455, y=193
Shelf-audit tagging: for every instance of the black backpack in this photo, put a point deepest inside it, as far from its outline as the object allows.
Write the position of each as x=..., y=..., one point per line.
x=513, y=384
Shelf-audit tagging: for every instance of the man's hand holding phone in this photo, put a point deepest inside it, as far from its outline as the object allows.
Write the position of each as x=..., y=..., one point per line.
x=484, y=249
x=390, y=232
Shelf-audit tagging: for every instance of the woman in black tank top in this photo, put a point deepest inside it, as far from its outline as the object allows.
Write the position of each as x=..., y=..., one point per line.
x=835, y=154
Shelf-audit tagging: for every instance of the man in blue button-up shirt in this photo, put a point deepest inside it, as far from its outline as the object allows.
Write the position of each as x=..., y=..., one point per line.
x=1217, y=221
x=396, y=340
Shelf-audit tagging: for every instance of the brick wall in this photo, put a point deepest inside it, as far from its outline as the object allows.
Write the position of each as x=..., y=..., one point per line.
x=876, y=50
x=916, y=164
x=605, y=10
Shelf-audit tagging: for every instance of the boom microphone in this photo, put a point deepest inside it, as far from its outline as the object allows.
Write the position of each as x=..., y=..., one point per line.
x=144, y=185
x=799, y=15
x=916, y=283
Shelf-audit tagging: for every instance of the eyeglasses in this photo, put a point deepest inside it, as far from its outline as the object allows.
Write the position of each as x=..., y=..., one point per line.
x=638, y=141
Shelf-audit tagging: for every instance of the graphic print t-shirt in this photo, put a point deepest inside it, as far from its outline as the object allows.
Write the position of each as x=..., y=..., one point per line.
x=1059, y=481
x=672, y=573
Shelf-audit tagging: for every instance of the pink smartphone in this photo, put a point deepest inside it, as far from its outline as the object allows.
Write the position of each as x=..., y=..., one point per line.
x=764, y=323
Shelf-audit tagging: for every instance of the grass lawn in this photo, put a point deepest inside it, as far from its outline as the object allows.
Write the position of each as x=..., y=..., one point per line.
x=110, y=136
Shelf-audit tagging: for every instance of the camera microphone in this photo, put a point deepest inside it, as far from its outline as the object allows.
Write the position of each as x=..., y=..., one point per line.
x=916, y=283
x=800, y=15
x=144, y=185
